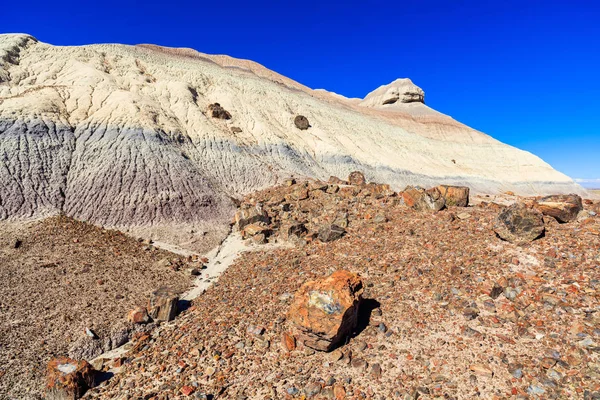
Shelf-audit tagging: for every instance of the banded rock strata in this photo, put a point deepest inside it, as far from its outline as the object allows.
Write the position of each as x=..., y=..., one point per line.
x=122, y=136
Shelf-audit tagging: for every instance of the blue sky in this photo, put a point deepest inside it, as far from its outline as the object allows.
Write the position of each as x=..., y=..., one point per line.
x=525, y=72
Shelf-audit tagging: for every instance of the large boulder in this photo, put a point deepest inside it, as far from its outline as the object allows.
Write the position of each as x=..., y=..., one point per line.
x=564, y=208
x=423, y=200
x=519, y=224
x=301, y=122
x=162, y=305
x=325, y=311
x=455, y=195
x=68, y=379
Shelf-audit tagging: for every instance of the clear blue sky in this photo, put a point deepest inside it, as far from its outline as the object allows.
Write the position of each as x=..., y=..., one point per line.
x=525, y=72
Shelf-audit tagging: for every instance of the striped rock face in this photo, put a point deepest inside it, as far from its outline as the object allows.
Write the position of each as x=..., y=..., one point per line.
x=124, y=136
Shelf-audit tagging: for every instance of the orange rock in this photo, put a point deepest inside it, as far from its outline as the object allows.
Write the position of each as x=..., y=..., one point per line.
x=187, y=390
x=288, y=341
x=138, y=315
x=455, y=195
x=67, y=378
x=326, y=311
x=423, y=200
x=339, y=392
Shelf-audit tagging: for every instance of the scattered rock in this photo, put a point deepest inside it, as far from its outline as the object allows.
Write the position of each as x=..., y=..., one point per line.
x=216, y=111
x=68, y=379
x=17, y=243
x=334, y=180
x=481, y=370
x=250, y=215
x=359, y=363
x=463, y=215
x=288, y=341
x=236, y=129
x=455, y=195
x=423, y=200
x=335, y=355
x=295, y=230
x=357, y=178
x=138, y=315
x=91, y=333
x=187, y=390
x=326, y=311
x=564, y=208
x=519, y=224
x=376, y=371
x=301, y=122
x=162, y=305
x=329, y=233
x=252, y=230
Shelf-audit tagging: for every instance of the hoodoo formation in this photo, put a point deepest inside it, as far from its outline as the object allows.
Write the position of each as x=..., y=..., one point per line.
x=145, y=136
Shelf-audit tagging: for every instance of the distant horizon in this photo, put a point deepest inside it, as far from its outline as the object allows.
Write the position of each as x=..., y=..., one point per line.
x=523, y=72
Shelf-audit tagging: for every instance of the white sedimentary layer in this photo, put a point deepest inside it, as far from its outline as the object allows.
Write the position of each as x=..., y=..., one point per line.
x=120, y=135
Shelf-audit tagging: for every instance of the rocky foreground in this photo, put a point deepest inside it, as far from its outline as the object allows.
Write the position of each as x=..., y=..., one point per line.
x=448, y=309
x=66, y=289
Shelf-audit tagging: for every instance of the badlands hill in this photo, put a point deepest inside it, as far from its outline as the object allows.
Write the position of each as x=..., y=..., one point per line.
x=123, y=136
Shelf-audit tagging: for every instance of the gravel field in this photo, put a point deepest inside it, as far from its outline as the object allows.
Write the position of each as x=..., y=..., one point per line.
x=450, y=311
x=63, y=277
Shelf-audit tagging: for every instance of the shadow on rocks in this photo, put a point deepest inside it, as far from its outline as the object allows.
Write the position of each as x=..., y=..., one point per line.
x=183, y=305
x=365, y=309
x=102, y=376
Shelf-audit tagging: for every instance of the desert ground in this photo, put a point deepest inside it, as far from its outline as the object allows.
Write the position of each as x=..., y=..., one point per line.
x=60, y=277
x=450, y=311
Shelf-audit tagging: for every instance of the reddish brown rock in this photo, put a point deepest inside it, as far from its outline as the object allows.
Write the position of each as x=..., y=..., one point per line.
x=564, y=208
x=250, y=215
x=455, y=195
x=288, y=341
x=68, y=379
x=253, y=230
x=331, y=232
x=334, y=180
x=519, y=224
x=138, y=315
x=378, y=190
x=326, y=311
x=187, y=390
x=299, y=193
x=292, y=231
x=162, y=305
x=357, y=178
x=423, y=200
